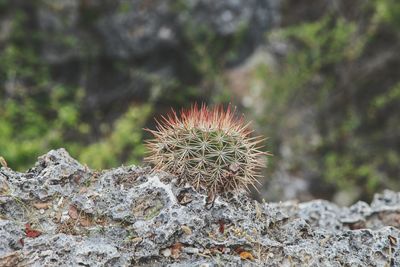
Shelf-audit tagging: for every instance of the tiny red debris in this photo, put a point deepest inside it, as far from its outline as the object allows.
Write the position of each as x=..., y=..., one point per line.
x=221, y=226
x=221, y=248
x=239, y=250
x=30, y=232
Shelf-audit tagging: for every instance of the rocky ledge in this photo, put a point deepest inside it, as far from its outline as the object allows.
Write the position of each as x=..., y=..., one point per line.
x=61, y=213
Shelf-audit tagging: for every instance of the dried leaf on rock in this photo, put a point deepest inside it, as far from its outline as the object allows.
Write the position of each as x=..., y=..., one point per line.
x=186, y=229
x=3, y=162
x=73, y=212
x=30, y=232
x=42, y=205
x=176, y=250
x=85, y=222
x=245, y=255
x=10, y=259
x=393, y=240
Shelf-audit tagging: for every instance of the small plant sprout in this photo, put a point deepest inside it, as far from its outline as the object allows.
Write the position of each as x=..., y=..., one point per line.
x=207, y=148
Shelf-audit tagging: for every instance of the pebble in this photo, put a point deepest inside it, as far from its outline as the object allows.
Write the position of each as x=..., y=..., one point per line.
x=166, y=253
x=190, y=250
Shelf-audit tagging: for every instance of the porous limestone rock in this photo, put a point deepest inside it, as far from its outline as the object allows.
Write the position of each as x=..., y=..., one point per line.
x=60, y=213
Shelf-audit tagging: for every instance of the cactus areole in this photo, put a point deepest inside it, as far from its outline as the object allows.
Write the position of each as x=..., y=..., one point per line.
x=207, y=148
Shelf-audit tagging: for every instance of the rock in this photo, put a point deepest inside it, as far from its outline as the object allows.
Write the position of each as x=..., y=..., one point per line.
x=54, y=173
x=130, y=215
x=10, y=235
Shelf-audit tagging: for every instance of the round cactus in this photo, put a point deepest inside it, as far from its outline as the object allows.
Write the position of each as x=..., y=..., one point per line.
x=207, y=148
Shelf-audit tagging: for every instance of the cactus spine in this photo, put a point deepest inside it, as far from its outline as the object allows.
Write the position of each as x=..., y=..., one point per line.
x=207, y=148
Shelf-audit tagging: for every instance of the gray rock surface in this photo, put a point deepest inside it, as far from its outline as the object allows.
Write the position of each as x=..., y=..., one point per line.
x=60, y=213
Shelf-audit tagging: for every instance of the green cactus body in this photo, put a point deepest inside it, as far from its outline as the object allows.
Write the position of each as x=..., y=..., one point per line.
x=207, y=148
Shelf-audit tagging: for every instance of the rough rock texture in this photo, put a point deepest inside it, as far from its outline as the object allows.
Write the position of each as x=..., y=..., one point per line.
x=60, y=213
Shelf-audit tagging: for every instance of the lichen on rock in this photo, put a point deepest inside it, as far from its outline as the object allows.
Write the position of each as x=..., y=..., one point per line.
x=132, y=216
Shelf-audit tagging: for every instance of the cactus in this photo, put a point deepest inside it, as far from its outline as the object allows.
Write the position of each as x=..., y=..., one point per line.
x=207, y=148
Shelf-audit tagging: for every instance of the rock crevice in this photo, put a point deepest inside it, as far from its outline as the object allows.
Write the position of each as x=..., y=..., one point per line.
x=60, y=213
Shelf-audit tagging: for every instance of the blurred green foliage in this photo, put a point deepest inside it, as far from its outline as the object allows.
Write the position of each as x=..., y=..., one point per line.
x=354, y=116
x=319, y=45
x=388, y=11
x=38, y=114
x=124, y=144
x=353, y=119
x=209, y=55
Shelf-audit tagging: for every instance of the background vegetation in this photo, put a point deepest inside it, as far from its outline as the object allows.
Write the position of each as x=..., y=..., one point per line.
x=327, y=93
